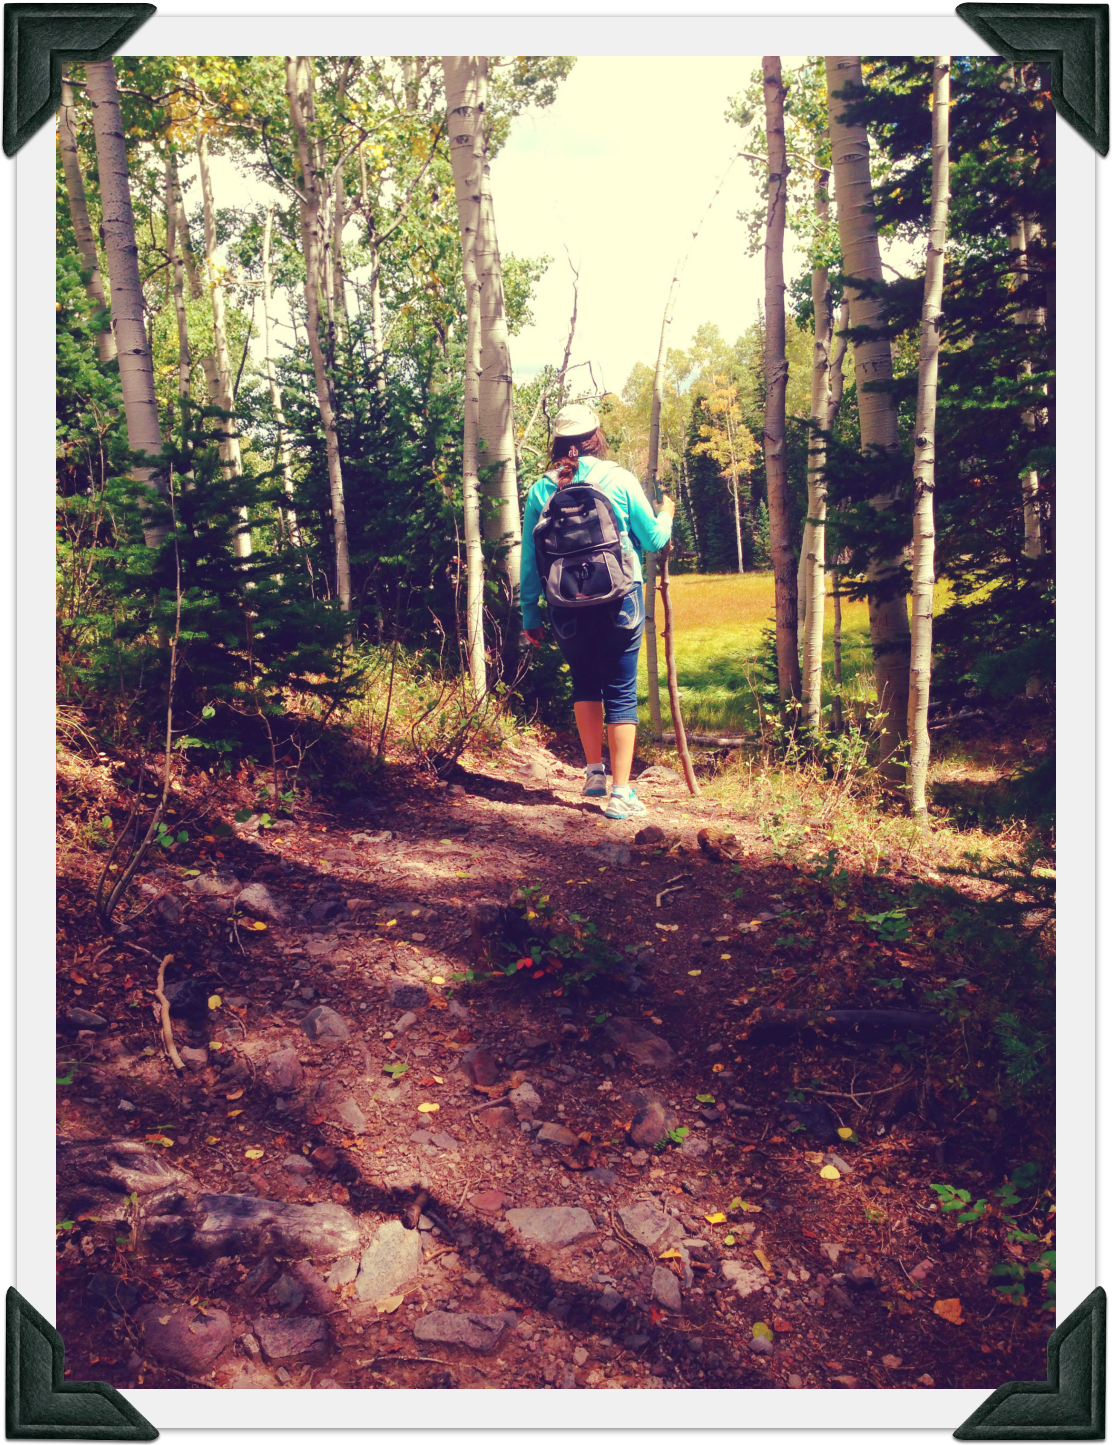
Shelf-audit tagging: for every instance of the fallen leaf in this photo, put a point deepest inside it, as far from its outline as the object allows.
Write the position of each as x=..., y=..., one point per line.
x=436, y=978
x=232, y=1113
x=437, y=1079
x=215, y=1045
x=671, y=1254
x=389, y=1305
x=761, y=1331
x=214, y=1000
x=777, y=1139
x=694, y=972
x=716, y=1218
x=950, y=1310
x=718, y=1068
x=235, y=1094
x=764, y=1261
x=927, y=1380
x=729, y=1239
x=812, y=1157
x=159, y=1139
x=427, y=1108
x=253, y=1153
x=781, y=1325
x=828, y=1171
x=845, y=1133
x=213, y=1139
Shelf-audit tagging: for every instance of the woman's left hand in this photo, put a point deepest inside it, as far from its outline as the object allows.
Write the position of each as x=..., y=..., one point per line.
x=535, y=635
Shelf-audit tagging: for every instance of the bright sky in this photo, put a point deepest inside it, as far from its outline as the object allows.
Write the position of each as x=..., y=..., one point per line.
x=620, y=169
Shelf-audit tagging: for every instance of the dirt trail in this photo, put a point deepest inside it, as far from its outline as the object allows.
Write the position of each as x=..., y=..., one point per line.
x=610, y=1190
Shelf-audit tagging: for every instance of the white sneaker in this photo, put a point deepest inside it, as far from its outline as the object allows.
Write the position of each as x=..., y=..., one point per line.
x=624, y=804
x=594, y=783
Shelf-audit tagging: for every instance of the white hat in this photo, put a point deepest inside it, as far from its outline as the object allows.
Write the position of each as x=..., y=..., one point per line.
x=575, y=421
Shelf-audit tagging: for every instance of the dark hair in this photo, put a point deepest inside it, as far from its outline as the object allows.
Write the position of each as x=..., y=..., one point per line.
x=567, y=451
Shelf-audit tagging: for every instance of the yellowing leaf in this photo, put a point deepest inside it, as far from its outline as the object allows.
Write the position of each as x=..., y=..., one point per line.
x=437, y=979
x=258, y=925
x=159, y=1139
x=718, y=1068
x=845, y=1133
x=213, y=1139
x=717, y=1218
x=235, y=1094
x=828, y=1171
x=215, y=1045
x=725, y=957
x=949, y=1309
x=437, y=1079
x=671, y=1254
x=427, y=1108
x=761, y=1331
x=729, y=1239
x=214, y=1000
x=232, y=1113
x=389, y=1305
x=763, y=1260
x=253, y=1153
x=694, y=972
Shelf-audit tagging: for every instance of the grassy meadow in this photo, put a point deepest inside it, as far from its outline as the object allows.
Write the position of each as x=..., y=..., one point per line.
x=719, y=620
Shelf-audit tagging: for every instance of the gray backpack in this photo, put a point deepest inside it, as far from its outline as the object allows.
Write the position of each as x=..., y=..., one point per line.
x=578, y=543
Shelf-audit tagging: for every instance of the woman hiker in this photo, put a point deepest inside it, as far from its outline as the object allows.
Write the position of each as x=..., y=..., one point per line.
x=600, y=640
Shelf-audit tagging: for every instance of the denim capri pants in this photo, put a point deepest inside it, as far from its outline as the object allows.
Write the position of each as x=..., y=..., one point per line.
x=600, y=645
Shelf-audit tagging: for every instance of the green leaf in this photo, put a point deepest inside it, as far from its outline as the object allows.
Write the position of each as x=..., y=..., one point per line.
x=222, y=830
x=243, y=814
x=761, y=1331
x=208, y=711
x=704, y=1098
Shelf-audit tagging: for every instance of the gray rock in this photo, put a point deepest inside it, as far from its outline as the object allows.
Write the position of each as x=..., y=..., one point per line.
x=443, y=1140
x=496, y=1120
x=169, y=909
x=321, y=947
x=391, y=1261
x=603, y=1176
x=251, y=1346
x=297, y=1164
x=405, y=1023
x=284, y=1072
x=317, y=1293
x=658, y=773
x=610, y=1301
x=556, y=1134
x=75, y=1019
x=480, y=1066
x=761, y=1346
x=555, y=1227
x=614, y=854
x=746, y=1278
x=258, y=900
x=838, y=1162
x=194, y=1059
x=287, y=1293
x=325, y=1027
x=480, y=1333
x=327, y=908
x=244, y=1224
x=382, y=836
x=257, y=1279
x=340, y=855
x=524, y=1100
x=181, y=1336
x=694, y=1147
x=336, y=1104
x=215, y=885
x=638, y=1043
x=650, y=1226
x=666, y=1289
x=343, y=1272
x=282, y=1339
x=635, y=1342
x=651, y=1123
x=408, y=993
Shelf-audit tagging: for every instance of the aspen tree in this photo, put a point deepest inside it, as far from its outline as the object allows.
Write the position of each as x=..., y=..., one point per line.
x=922, y=547
x=814, y=530
x=888, y=625
x=177, y=267
x=79, y=215
x=275, y=389
x=122, y=253
x=220, y=376
x=299, y=80
x=776, y=385
x=465, y=93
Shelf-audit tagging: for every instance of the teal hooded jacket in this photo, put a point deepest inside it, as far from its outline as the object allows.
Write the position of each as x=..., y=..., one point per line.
x=641, y=530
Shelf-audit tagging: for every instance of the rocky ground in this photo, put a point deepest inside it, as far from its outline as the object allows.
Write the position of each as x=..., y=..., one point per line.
x=370, y=1172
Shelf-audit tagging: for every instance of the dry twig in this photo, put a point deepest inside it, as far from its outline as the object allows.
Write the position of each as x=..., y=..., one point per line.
x=167, y=1026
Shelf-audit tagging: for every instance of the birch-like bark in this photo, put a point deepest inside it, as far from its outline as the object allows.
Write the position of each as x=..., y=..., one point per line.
x=888, y=625
x=185, y=241
x=776, y=385
x=79, y=215
x=464, y=86
x=275, y=389
x=501, y=507
x=814, y=530
x=1027, y=317
x=922, y=547
x=298, y=82
x=223, y=396
x=177, y=267
x=837, y=385
x=339, y=221
x=122, y=254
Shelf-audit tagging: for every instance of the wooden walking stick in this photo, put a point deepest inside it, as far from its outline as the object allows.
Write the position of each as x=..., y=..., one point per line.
x=673, y=681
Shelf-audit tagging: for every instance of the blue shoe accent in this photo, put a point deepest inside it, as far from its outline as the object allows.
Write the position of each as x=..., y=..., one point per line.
x=622, y=806
x=594, y=784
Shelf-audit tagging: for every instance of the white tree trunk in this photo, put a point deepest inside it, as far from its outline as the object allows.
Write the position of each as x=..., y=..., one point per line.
x=776, y=385
x=502, y=508
x=888, y=625
x=922, y=547
x=464, y=86
x=118, y=226
x=275, y=389
x=1027, y=317
x=813, y=560
x=298, y=87
x=79, y=214
x=174, y=251
x=229, y=443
